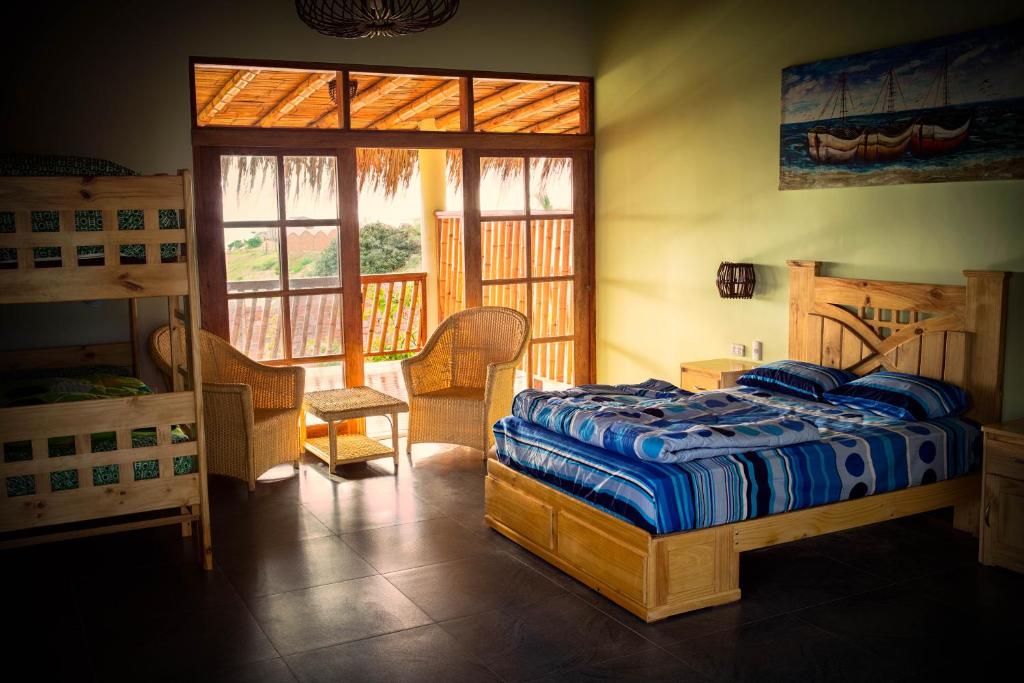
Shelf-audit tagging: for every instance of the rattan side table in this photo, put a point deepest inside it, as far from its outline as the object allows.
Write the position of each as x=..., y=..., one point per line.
x=337, y=405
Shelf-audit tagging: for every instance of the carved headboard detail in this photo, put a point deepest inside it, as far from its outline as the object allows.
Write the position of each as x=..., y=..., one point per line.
x=950, y=332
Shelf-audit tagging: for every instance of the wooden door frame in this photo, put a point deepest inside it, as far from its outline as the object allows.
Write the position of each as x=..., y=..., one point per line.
x=584, y=322
x=210, y=142
x=210, y=240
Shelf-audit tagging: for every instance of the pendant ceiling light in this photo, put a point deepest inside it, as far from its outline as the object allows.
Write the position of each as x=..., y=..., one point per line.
x=374, y=18
x=332, y=89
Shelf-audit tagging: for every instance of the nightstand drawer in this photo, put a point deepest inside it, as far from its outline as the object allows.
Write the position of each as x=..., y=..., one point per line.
x=1004, y=459
x=697, y=381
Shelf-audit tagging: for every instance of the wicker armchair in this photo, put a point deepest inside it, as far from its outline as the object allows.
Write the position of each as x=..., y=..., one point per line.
x=252, y=411
x=462, y=381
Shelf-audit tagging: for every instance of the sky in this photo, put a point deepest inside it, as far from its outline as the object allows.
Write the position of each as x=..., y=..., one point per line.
x=984, y=65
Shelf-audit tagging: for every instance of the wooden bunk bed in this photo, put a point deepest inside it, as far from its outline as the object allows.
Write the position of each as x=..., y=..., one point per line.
x=950, y=332
x=65, y=239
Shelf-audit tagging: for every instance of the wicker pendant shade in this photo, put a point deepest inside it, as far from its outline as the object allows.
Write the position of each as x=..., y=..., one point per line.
x=374, y=18
x=736, y=280
x=332, y=89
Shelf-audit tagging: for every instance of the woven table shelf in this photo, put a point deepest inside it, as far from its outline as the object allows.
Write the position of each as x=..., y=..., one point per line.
x=351, y=448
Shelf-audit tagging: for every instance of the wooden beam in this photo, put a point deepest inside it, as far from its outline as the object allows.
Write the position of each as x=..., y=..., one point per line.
x=586, y=107
x=343, y=104
x=376, y=91
x=494, y=101
x=236, y=84
x=293, y=99
x=570, y=118
x=559, y=99
x=472, y=268
x=307, y=138
x=466, y=112
x=431, y=99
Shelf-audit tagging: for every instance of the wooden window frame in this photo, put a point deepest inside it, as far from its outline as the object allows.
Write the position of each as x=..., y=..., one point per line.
x=527, y=216
x=284, y=291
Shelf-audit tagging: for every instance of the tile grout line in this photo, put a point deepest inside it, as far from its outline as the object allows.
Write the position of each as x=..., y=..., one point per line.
x=285, y=658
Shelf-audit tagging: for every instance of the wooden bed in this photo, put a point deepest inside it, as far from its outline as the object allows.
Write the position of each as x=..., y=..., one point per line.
x=949, y=332
x=87, y=509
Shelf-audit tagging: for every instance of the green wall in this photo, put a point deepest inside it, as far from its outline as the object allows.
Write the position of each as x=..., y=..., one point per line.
x=687, y=175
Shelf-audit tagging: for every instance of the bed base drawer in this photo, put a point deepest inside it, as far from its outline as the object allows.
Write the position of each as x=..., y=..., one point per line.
x=651, y=576
x=655, y=577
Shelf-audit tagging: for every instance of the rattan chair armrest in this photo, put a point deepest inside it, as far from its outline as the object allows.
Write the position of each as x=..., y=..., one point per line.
x=229, y=403
x=501, y=379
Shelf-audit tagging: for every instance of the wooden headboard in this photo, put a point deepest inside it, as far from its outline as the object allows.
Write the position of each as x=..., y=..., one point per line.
x=950, y=332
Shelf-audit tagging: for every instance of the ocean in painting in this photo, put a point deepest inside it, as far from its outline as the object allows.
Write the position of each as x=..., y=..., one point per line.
x=977, y=76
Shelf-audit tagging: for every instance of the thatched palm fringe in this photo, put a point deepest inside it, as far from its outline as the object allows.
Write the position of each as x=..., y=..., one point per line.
x=381, y=169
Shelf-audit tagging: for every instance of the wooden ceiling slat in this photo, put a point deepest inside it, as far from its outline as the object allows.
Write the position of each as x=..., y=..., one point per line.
x=238, y=82
x=432, y=98
x=559, y=99
x=308, y=86
x=381, y=88
x=378, y=90
x=329, y=119
x=569, y=118
x=494, y=101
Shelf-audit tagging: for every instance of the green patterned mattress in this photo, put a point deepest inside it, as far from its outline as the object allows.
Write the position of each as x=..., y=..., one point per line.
x=81, y=384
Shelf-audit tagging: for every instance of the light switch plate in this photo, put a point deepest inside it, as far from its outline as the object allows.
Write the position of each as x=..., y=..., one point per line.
x=739, y=350
x=757, y=350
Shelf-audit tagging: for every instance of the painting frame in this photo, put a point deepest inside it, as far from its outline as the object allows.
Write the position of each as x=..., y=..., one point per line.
x=947, y=109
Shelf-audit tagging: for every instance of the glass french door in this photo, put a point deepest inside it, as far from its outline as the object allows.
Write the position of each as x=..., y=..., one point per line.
x=282, y=226
x=534, y=257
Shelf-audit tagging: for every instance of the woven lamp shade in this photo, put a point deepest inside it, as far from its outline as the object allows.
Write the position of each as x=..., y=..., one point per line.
x=374, y=18
x=736, y=280
x=332, y=89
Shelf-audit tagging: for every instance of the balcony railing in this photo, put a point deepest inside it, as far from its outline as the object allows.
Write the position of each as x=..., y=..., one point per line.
x=503, y=248
x=394, y=318
x=394, y=313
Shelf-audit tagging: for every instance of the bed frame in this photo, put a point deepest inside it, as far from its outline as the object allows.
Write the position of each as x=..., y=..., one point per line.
x=948, y=332
x=48, y=515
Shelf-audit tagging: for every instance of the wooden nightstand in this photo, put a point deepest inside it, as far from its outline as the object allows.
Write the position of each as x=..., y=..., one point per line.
x=1002, y=504
x=720, y=373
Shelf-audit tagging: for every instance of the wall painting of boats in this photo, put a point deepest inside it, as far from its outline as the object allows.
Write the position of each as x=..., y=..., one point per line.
x=941, y=110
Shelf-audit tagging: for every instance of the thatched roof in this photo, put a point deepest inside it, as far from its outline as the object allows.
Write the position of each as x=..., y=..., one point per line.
x=295, y=98
x=381, y=169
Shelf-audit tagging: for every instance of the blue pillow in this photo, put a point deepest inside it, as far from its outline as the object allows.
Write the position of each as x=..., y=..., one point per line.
x=905, y=397
x=797, y=378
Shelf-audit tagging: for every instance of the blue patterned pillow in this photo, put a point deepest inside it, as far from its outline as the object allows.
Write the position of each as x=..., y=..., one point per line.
x=905, y=397
x=797, y=378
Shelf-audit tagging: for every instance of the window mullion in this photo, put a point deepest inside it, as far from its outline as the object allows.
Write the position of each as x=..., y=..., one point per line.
x=282, y=255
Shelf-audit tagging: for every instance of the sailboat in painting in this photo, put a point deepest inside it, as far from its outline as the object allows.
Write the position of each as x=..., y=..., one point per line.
x=835, y=144
x=844, y=143
x=942, y=131
x=889, y=141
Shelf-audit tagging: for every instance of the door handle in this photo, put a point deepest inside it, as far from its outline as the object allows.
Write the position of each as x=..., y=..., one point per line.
x=988, y=510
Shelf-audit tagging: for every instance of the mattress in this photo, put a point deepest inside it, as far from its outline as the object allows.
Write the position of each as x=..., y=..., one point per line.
x=859, y=454
x=81, y=384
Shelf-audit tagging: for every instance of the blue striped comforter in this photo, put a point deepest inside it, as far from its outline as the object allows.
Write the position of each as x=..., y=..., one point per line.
x=858, y=454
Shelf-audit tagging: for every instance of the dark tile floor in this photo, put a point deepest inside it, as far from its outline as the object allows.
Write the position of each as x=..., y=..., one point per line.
x=372, y=576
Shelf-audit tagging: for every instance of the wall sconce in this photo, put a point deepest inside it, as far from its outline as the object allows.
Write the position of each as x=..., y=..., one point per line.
x=736, y=280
